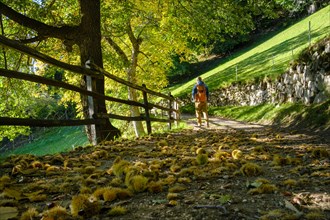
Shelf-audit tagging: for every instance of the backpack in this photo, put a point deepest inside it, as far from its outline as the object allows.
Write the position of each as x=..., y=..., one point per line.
x=201, y=93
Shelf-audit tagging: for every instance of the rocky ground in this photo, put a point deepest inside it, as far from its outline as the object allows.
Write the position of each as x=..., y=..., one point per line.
x=230, y=170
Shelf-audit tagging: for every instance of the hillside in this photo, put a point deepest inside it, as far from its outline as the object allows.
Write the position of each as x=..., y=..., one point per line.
x=294, y=115
x=49, y=141
x=266, y=57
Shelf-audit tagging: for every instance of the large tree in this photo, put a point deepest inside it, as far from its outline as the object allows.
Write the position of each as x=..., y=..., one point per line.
x=87, y=36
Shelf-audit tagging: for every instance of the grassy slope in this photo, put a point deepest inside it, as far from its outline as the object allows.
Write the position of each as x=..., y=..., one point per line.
x=53, y=141
x=289, y=114
x=56, y=140
x=268, y=57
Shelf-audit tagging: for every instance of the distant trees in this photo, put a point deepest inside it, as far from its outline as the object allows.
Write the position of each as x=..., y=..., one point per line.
x=298, y=8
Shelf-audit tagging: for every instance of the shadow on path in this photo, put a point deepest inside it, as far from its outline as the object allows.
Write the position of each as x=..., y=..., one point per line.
x=221, y=123
x=218, y=123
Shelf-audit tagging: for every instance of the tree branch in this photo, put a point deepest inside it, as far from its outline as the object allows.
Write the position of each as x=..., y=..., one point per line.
x=68, y=33
x=32, y=40
x=118, y=50
x=135, y=41
x=3, y=50
x=148, y=58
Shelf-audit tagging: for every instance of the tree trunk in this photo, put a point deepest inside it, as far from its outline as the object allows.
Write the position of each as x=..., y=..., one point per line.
x=137, y=125
x=90, y=49
x=131, y=76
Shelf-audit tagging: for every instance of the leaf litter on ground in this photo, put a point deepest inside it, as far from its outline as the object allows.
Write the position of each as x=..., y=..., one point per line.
x=276, y=175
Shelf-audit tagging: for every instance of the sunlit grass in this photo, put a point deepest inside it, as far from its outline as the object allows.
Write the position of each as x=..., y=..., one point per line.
x=53, y=141
x=64, y=139
x=288, y=113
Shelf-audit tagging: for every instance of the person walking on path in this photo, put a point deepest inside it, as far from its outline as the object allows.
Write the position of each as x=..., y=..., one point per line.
x=200, y=95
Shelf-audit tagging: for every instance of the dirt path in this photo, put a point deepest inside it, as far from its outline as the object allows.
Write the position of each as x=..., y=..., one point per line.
x=218, y=123
x=221, y=123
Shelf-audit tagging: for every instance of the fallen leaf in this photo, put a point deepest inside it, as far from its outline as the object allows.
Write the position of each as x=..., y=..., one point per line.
x=33, y=193
x=224, y=199
x=13, y=193
x=289, y=205
x=159, y=201
x=8, y=213
x=253, y=184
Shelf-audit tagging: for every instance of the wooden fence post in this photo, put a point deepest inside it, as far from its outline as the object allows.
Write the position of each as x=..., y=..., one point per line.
x=176, y=115
x=146, y=109
x=91, y=110
x=170, y=111
x=309, y=33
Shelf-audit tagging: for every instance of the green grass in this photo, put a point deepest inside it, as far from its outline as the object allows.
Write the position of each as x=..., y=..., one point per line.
x=64, y=139
x=268, y=57
x=298, y=115
x=53, y=141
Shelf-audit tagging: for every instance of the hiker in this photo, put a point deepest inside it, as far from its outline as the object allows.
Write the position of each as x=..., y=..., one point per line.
x=200, y=95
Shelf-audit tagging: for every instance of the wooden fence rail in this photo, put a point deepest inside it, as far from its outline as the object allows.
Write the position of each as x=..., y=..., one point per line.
x=94, y=71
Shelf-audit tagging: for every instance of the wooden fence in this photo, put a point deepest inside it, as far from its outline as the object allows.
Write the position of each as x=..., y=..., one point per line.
x=172, y=108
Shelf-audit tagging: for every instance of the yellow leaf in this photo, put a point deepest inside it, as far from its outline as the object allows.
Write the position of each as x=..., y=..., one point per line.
x=8, y=213
x=33, y=193
x=13, y=193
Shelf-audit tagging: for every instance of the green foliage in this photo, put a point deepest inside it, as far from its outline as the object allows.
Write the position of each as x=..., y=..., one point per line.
x=215, y=27
x=167, y=28
x=21, y=99
x=296, y=8
x=11, y=132
x=188, y=108
x=14, y=102
x=118, y=18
